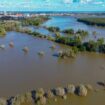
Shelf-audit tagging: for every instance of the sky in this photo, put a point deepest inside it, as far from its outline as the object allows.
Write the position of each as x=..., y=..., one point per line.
x=52, y=5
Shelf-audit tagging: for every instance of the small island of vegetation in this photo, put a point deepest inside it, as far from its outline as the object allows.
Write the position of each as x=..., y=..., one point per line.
x=34, y=21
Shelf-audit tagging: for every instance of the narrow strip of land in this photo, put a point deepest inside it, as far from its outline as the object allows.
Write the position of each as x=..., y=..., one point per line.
x=93, y=21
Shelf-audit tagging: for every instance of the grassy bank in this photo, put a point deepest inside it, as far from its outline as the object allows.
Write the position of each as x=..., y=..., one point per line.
x=93, y=21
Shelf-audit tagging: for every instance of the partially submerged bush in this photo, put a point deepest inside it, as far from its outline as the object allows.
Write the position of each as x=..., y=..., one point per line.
x=82, y=33
x=26, y=49
x=66, y=53
x=18, y=100
x=49, y=94
x=42, y=101
x=2, y=31
x=41, y=53
x=40, y=93
x=64, y=97
x=60, y=91
x=2, y=46
x=3, y=101
x=68, y=31
x=11, y=44
x=81, y=90
x=71, y=89
x=23, y=98
x=53, y=29
x=50, y=38
x=89, y=87
x=53, y=46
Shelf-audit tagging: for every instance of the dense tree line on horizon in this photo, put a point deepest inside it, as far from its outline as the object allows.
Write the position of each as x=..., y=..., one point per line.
x=93, y=21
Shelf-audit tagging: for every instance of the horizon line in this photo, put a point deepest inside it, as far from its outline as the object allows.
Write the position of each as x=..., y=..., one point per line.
x=53, y=11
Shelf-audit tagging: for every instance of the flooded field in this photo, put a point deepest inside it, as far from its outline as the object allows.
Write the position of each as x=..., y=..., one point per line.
x=22, y=72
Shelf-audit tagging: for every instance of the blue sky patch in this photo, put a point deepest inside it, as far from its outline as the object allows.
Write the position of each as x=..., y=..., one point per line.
x=52, y=5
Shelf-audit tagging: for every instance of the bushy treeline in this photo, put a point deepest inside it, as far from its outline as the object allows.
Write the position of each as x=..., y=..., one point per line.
x=35, y=21
x=2, y=31
x=8, y=26
x=17, y=25
x=76, y=40
x=72, y=38
x=53, y=29
x=93, y=21
x=91, y=46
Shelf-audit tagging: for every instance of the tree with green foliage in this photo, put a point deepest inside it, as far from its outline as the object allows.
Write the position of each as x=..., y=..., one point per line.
x=91, y=46
x=2, y=31
x=69, y=31
x=53, y=29
x=100, y=41
x=82, y=33
x=96, y=21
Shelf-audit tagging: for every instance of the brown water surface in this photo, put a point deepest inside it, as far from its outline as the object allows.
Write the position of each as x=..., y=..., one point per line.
x=20, y=72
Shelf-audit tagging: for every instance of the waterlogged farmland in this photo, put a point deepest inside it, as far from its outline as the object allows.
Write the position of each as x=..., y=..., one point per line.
x=31, y=63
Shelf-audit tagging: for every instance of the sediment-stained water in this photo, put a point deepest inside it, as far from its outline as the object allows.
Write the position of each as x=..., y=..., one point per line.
x=91, y=99
x=21, y=72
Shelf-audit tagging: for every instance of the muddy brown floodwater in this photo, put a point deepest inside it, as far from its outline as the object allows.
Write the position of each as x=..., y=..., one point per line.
x=21, y=72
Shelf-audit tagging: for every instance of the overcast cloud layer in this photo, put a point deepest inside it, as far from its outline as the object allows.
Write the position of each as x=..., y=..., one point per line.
x=52, y=5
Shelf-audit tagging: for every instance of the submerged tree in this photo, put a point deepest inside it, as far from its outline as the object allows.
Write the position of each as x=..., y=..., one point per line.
x=2, y=31
x=69, y=31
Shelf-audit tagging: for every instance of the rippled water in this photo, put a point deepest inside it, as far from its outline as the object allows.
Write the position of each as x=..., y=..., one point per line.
x=21, y=72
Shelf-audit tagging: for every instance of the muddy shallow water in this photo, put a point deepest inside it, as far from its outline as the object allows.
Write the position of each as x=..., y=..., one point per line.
x=91, y=99
x=21, y=72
